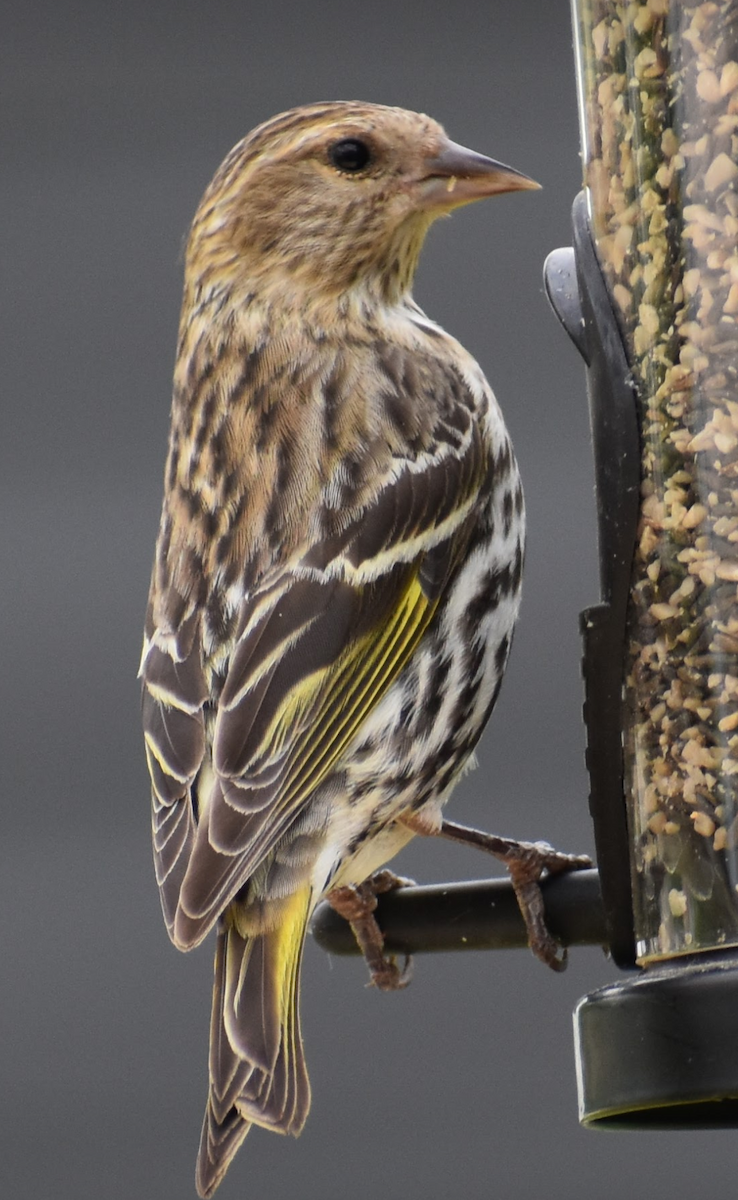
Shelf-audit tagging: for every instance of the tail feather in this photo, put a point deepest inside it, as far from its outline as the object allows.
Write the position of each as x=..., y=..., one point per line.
x=229, y=1073
x=252, y=1000
x=281, y=1100
x=219, y=1141
x=257, y=1066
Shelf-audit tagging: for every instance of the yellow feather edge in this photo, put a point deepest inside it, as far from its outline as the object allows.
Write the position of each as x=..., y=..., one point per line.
x=343, y=694
x=289, y=933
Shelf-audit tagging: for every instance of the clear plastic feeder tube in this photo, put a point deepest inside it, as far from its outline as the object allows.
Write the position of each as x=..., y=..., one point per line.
x=658, y=92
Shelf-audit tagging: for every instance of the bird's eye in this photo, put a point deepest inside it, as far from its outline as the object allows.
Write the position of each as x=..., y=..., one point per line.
x=350, y=154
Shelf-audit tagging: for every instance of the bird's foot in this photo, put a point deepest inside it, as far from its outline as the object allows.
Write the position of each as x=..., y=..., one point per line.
x=386, y=881
x=357, y=904
x=526, y=862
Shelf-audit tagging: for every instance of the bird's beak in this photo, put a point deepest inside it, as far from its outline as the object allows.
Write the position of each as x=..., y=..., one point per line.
x=458, y=176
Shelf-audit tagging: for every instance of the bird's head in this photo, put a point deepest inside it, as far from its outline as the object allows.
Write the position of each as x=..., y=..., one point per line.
x=334, y=198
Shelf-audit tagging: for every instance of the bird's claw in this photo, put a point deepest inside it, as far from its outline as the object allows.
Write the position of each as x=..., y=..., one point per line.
x=357, y=904
x=386, y=881
x=527, y=863
x=390, y=977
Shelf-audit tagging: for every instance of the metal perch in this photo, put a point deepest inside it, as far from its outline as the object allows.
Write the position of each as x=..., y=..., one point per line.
x=477, y=915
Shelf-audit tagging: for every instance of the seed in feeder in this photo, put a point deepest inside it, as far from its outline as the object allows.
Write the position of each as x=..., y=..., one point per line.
x=716, y=259
x=725, y=442
x=663, y=612
x=726, y=724
x=677, y=902
x=720, y=840
x=701, y=215
x=705, y=572
x=708, y=87
x=721, y=170
x=622, y=297
x=663, y=177
x=657, y=822
x=649, y=542
x=695, y=516
x=658, y=222
x=729, y=78
x=669, y=143
x=673, y=496
x=599, y=38
x=643, y=20
x=684, y=591
x=649, y=318
x=703, y=825
x=651, y=799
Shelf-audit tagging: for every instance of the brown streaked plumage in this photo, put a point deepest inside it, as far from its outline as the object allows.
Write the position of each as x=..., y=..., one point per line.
x=338, y=566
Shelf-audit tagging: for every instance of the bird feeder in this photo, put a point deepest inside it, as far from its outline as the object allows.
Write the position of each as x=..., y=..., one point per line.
x=650, y=297
x=648, y=293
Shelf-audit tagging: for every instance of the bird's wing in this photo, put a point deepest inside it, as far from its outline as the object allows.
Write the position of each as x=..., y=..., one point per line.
x=173, y=695
x=316, y=651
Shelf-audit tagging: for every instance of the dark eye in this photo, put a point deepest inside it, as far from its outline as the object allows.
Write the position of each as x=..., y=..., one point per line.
x=350, y=154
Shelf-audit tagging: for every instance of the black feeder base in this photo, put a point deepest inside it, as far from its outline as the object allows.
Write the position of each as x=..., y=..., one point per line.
x=661, y=1051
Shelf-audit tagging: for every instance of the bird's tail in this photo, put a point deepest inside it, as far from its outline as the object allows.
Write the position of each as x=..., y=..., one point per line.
x=257, y=1065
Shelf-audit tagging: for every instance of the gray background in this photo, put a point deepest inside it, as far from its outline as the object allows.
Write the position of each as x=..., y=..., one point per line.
x=115, y=117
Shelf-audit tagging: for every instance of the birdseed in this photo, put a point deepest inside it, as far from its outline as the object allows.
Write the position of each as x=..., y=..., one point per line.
x=659, y=109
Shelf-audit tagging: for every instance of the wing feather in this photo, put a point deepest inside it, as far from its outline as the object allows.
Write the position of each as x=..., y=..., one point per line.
x=174, y=692
x=315, y=659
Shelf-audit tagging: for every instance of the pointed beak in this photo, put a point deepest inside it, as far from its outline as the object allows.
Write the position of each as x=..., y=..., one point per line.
x=457, y=176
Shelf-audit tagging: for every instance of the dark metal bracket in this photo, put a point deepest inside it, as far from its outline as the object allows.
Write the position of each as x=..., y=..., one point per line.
x=579, y=297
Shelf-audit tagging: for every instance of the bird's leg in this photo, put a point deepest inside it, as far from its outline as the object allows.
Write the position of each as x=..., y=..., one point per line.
x=526, y=863
x=357, y=904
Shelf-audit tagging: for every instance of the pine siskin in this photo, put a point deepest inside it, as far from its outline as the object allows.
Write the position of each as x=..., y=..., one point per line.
x=337, y=571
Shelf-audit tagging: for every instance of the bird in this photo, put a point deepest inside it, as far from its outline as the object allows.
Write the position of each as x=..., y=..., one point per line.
x=337, y=571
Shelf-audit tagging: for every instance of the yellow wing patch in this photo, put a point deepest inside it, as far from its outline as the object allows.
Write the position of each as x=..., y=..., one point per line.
x=330, y=705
